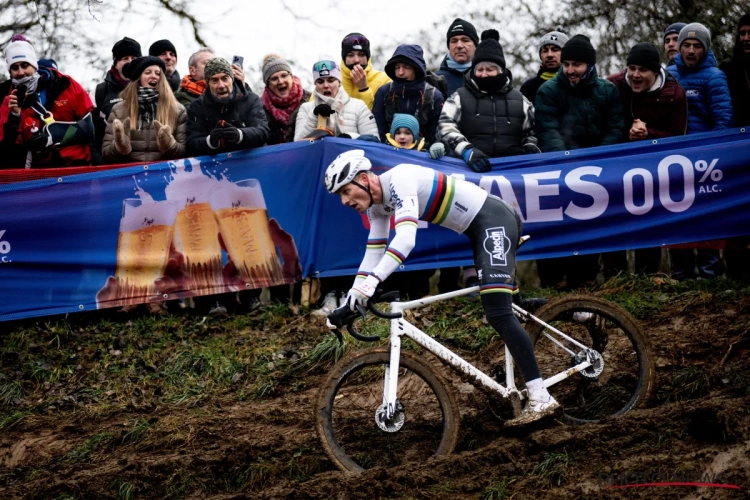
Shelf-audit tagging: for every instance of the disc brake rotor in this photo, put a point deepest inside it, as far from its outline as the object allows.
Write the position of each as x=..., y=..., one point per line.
x=395, y=423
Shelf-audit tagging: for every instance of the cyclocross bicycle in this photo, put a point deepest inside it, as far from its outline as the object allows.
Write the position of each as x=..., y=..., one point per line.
x=384, y=407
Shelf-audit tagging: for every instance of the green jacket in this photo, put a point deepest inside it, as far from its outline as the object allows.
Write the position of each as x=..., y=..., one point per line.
x=589, y=114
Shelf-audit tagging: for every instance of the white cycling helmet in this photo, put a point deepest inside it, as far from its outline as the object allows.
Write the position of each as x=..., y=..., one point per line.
x=344, y=169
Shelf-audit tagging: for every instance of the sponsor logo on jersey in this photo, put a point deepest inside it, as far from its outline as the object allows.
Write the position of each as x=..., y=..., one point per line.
x=460, y=207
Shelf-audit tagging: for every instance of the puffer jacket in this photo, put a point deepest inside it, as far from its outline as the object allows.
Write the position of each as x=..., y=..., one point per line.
x=737, y=69
x=143, y=139
x=352, y=116
x=663, y=108
x=417, y=97
x=244, y=110
x=498, y=124
x=375, y=80
x=454, y=77
x=709, y=101
x=587, y=115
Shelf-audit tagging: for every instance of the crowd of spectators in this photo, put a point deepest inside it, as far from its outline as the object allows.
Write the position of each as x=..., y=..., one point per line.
x=469, y=108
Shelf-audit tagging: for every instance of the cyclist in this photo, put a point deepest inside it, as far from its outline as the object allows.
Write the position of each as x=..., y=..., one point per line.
x=411, y=192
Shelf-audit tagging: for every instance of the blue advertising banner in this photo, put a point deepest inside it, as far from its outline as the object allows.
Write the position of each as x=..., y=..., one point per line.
x=259, y=218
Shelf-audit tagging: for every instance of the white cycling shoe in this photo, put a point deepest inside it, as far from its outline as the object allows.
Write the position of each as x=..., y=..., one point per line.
x=535, y=410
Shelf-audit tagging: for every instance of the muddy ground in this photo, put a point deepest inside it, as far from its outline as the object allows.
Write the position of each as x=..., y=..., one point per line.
x=186, y=407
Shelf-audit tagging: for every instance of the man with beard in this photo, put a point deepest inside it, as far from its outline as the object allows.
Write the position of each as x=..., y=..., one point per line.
x=709, y=108
x=462, y=43
x=227, y=117
x=358, y=78
x=550, y=48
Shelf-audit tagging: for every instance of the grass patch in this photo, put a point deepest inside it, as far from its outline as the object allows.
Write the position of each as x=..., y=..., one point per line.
x=10, y=392
x=83, y=452
x=555, y=467
x=688, y=383
x=497, y=490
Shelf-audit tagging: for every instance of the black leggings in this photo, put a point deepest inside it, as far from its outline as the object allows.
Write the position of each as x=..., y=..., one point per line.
x=494, y=235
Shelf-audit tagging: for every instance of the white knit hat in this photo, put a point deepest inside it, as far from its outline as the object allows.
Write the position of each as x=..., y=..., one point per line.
x=19, y=50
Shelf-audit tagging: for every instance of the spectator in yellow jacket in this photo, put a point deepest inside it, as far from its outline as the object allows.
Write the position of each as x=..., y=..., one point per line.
x=358, y=78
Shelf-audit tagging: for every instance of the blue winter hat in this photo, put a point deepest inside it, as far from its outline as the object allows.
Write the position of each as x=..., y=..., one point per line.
x=674, y=29
x=406, y=121
x=48, y=63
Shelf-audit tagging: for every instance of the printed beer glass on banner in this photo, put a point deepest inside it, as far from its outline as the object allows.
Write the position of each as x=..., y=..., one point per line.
x=146, y=230
x=241, y=213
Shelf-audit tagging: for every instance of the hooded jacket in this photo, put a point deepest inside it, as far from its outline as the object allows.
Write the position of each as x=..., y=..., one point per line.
x=352, y=116
x=499, y=123
x=663, y=108
x=143, y=139
x=416, y=97
x=243, y=110
x=68, y=102
x=454, y=77
x=709, y=101
x=375, y=80
x=587, y=115
x=737, y=69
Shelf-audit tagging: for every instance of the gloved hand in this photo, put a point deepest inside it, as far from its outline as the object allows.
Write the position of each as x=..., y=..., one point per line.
x=437, y=150
x=323, y=110
x=40, y=141
x=232, y=136
x=215, y=137
x=476, y=160
x=531, y=149
x=121, y=132
x=344, y=136
x=164, y=139
x=362, y=290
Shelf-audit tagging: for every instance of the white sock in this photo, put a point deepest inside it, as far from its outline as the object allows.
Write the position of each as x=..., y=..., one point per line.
x=537, y=390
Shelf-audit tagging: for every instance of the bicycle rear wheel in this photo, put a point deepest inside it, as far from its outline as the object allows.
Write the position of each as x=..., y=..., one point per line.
x=627, y=379
x=345, y=413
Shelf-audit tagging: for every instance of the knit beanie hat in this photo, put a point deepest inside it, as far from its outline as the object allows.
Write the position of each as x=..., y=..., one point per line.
x=126, y=47
x=135, y=68
x=579, y=49
x=406, y=121
x=695, y=31
x=744, y=21
x=461, y=27
x=20, y=50
x=273, y=63
x=48, y=63
x=674, y=29
x=355, y=41
x=326, y=67
x=558, y=38
x=215, y=66
x=160, y=46
x=645, y=54
x=489, y=49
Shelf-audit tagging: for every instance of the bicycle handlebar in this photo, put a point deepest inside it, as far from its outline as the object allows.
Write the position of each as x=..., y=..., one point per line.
x=343, y=316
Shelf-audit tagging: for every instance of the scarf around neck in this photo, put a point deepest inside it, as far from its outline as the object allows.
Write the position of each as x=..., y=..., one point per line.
x=282, y=108
x=192, y=86
x=31, y=82
x=452, y=64
x=337, y=104
x=147, y=99
x=122, y=82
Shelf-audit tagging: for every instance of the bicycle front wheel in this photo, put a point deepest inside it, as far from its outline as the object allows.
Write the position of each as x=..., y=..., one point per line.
x=625, y=379
x=347, y=404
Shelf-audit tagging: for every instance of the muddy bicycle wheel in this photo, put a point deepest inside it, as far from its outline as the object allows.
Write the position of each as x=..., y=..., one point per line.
x=346, y=406
x=626, y=379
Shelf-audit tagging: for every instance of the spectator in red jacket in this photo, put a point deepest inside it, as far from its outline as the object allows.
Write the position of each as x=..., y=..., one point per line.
x=46, y=120
x=653, y=102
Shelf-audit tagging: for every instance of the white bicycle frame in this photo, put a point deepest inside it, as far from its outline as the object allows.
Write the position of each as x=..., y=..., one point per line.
x=400, y=327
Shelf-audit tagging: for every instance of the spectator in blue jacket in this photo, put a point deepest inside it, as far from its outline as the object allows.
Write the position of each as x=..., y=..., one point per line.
x=709, y=108
x=462, y=43
x=709, y=102
x=408, y=93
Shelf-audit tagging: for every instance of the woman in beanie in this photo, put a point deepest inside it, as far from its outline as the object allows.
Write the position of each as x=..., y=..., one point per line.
x=576, y=108
x=487, y=117
x=654, y=104
x=148, y=124
x=45, y=121
x=281, y=98
x=344, y=116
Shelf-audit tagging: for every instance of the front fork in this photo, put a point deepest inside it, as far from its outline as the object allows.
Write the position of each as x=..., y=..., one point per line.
x=390, y=385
